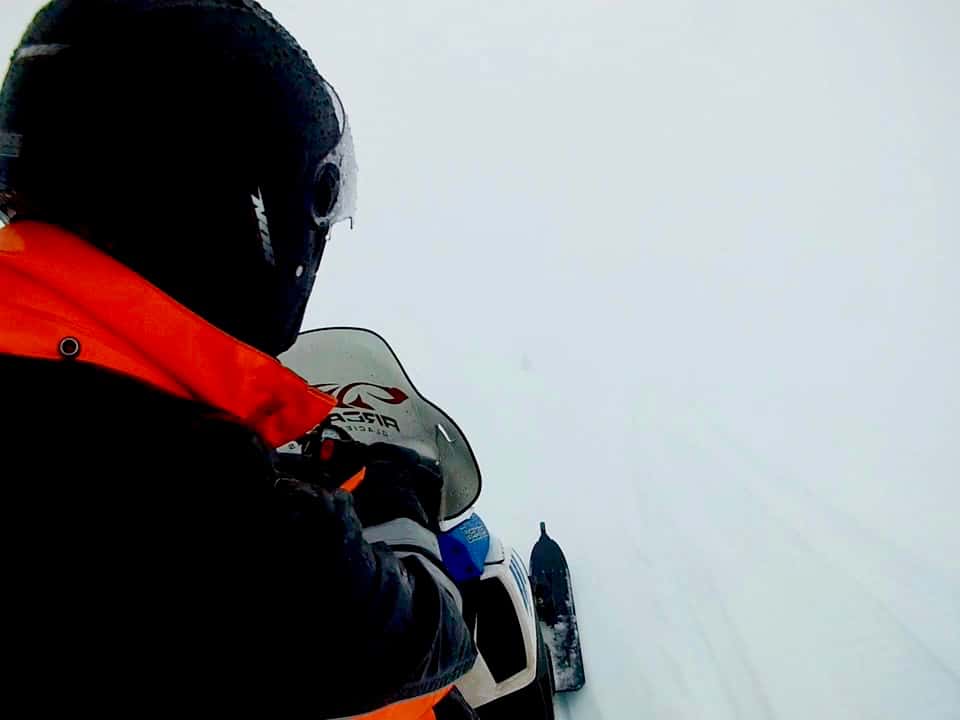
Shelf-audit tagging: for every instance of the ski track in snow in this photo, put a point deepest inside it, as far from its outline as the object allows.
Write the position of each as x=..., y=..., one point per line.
x=893, y=565
x=713, y=614
x=756, y=599
x=828, y=534
x=719, y=636
x=910, y=635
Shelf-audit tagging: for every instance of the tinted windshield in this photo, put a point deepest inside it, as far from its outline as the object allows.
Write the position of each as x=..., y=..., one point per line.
x=377, y=402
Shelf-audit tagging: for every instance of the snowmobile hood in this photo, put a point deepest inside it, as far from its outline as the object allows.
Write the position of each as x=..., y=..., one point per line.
x=65, y=300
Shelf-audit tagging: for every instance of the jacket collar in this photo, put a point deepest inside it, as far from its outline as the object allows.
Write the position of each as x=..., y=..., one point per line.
x=65, y=299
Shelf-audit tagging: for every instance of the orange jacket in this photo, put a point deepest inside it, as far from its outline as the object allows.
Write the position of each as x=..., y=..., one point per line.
x=65, y=300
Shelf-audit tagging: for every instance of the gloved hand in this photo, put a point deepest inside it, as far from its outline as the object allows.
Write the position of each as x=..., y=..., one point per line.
x=406, y=628
x=399, y=484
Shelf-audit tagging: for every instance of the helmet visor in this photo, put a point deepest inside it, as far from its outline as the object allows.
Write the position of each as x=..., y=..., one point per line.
x=335, y=194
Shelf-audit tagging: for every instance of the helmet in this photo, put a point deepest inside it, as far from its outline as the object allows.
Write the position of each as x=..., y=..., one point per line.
x=192, y=140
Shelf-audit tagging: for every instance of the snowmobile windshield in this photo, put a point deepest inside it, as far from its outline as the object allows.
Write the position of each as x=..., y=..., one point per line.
x=339, y=167
x=377, y=402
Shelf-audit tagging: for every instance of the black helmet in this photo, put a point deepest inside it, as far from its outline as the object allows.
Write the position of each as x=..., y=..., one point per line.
x=192, y=140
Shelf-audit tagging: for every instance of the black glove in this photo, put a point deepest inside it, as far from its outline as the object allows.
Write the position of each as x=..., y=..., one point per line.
x=403, y=624
x=454, y=707
x=399, y=484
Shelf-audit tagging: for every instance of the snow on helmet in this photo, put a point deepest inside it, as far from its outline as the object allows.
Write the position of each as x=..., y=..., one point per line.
x=192, y=140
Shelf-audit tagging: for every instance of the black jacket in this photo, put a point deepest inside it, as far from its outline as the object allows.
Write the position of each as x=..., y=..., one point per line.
x=150, y=553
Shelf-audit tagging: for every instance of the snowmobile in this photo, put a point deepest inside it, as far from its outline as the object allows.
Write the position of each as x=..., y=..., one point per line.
x=524, y=624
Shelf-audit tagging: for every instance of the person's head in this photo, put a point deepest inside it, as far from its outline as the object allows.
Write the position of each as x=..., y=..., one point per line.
x=192, y=140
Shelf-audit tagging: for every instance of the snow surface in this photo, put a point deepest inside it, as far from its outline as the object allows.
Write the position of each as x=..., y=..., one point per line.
x=687, y=273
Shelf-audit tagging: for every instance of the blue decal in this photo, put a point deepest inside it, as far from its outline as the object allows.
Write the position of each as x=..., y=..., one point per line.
x=520, y=577
x=464, y=549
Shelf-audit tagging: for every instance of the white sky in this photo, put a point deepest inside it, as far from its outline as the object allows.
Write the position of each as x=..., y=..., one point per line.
x=681, y=260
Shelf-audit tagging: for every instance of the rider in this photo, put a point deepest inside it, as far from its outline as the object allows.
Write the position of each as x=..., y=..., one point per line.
x=170, y=171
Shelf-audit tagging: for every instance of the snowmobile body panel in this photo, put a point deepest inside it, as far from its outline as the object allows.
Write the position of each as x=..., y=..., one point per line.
x=505, y=629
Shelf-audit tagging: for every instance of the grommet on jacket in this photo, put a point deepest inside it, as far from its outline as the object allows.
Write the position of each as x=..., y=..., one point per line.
x=69, y=348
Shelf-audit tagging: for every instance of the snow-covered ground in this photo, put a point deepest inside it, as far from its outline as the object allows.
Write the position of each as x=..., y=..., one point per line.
x=719, y=576
x=688, y=275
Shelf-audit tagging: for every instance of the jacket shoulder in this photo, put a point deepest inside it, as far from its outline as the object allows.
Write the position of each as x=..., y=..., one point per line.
x=68, y=417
